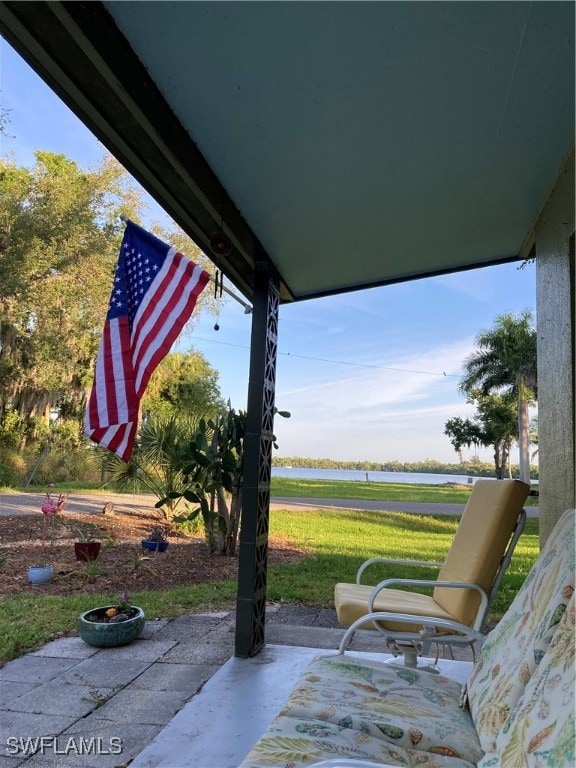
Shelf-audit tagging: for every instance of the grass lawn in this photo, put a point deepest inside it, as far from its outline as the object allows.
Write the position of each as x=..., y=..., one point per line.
x=371, y=491
x=336, y=543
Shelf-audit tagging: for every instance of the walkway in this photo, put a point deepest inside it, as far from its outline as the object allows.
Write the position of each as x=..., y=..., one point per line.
x=30, y=503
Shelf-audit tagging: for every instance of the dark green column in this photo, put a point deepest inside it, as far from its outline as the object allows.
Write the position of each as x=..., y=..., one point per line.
x=253, y=552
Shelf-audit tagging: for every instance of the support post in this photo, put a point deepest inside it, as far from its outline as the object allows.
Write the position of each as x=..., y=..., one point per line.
x=556, y=313
x=253, y=551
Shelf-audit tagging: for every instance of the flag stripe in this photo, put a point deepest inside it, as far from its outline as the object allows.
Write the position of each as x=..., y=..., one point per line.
x=112, y=398
x=151, y=326
x=163, y=326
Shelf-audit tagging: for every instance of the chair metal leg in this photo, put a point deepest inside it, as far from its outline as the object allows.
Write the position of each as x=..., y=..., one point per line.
x=411, y=657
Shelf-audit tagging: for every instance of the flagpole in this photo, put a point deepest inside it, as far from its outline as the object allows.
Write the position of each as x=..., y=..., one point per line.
x=247, y=307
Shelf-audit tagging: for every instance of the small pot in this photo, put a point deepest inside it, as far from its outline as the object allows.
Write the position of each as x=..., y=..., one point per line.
x=101, y=634
x=155, y=546
x=40, y=574
x=87, y=550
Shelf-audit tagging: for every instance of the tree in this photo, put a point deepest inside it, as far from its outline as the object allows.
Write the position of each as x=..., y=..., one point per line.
x=463, y=432
x=505, y=362
x=183, y=383
x=215, y=473
x=214, y=476
x=59, y=239
x=158, y=462
x=494, y=424
x=534, y=436
x=497, y=416
x=60, y=231
x=4, y=120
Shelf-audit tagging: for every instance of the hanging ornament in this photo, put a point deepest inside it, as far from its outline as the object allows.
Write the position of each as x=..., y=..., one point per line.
x=220, y=244
x=218, y=288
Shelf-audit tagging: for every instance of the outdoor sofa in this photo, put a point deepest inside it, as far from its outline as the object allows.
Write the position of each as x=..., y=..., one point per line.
x=516, y=710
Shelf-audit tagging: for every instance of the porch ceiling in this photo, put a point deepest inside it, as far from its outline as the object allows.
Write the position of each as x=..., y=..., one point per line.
x=350, y=143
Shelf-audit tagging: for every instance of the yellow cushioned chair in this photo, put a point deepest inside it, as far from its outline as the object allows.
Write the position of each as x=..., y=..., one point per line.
x=465, y=587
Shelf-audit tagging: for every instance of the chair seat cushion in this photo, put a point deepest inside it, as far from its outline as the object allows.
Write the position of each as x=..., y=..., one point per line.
x=295, y=743
x=343, y=706
x=351, y=602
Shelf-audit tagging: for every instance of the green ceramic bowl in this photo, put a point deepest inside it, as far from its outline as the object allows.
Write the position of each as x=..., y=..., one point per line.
x=102, y=634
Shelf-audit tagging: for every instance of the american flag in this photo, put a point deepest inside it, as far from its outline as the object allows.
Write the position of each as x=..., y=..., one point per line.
x=155, y=291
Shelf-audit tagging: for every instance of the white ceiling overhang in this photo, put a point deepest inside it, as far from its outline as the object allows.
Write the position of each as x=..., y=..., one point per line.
x=350, y=144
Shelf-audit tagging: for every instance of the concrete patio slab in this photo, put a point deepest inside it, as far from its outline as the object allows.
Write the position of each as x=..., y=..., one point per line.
x=287, y=634
x=141, y=650
x=102, y=670
x=188, y=629
x=67, y=648
x=230, y=713
x=18, y=727
x=11, y=762
x=95, y=743
x=152, y=626
x=215, y=650
x=219, y=725
x=58, y=698
x=165, y=676
x=10, y=691
x=138, y=705
x=35, y=669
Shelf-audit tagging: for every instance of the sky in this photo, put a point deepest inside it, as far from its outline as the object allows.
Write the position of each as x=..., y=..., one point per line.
x=367, y=376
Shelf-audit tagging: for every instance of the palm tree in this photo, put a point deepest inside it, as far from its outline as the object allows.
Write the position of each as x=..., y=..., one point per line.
x=158, y=462
x=505, y=361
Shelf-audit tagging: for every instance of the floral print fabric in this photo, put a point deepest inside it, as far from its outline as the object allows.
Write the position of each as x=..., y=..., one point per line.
x=513, y=651
x=365, y=710
x=540, y=731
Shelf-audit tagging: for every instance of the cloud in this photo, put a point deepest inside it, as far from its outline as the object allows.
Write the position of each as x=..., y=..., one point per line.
x=482, y=288
x=375, y=413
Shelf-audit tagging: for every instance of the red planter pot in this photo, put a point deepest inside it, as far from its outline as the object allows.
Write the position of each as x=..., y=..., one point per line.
x=87, y=550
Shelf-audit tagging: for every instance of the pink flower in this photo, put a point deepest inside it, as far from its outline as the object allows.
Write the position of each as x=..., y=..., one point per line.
x=49, y=510
x=50, y=507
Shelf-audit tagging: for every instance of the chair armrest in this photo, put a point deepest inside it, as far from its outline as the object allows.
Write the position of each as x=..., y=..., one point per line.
x=404, y=618
x=395, y=561
x=433, y=583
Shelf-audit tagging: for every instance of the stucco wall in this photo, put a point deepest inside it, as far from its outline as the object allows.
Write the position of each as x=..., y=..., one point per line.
x=555, y=300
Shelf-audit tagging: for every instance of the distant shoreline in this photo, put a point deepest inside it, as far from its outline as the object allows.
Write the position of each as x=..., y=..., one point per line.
x=427, y=467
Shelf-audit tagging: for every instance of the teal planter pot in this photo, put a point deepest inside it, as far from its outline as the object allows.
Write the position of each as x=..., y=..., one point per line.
x=40, y=574
x=95, y=630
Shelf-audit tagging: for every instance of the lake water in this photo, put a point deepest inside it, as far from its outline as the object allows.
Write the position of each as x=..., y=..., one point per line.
x=374, y=477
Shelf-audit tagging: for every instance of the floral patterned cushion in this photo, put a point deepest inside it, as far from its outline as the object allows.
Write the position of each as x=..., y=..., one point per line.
x=293, y=743
x=541, y=730
x=365, y=710
x=513, y=650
